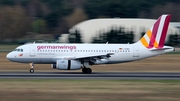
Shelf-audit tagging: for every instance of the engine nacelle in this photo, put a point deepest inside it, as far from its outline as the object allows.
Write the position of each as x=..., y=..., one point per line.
x=67, y=65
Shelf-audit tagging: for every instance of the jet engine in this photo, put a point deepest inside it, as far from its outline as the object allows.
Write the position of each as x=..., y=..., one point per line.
x=67, y=65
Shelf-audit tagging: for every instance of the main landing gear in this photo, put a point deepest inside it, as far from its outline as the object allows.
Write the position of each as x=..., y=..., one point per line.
x=31, y=68
x=86, y=69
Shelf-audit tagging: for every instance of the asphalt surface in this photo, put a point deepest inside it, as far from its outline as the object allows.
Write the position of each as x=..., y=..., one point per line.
x=94, y=75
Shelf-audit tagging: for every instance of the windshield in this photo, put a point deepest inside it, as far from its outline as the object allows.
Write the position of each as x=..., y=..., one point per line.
x=18, y=50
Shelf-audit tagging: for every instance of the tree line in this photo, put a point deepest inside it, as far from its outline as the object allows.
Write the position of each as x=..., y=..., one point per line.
x=18, y=17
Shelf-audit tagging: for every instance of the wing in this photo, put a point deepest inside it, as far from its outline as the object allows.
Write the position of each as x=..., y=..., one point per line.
x=100, y=56
x=91, y=58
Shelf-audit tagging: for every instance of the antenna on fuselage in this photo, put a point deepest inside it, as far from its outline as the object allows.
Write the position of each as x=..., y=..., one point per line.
x=107, y=42
x=34, y=42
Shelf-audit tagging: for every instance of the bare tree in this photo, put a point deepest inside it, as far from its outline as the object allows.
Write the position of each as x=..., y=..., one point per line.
x=77, y=16
x=168, y=8
x=13, y=22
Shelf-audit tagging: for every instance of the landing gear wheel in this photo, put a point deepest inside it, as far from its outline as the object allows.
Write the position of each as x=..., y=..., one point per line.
x=87, y=70
x=31, y=70
x=84, y=70
x=32, y=67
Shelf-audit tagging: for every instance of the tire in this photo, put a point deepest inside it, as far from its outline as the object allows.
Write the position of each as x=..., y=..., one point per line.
x=84, y=70
x=31, y=70
x=88, y=70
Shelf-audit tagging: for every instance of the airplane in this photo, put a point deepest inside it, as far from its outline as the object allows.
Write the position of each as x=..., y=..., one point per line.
x=82, y=56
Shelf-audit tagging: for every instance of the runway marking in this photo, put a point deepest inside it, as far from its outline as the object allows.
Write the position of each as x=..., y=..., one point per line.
x=94, y=75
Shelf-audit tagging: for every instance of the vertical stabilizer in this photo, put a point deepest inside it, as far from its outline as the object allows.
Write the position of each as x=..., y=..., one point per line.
x=156, y=35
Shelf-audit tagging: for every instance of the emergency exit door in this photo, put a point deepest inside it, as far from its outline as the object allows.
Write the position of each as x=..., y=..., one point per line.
x=136, y=51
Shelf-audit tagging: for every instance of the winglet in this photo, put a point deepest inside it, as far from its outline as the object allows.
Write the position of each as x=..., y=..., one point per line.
x=156, y=35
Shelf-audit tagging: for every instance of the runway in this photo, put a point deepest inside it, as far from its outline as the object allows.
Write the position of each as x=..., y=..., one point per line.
x=94, y=75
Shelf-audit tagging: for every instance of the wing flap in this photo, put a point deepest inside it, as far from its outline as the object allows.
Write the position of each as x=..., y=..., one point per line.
x=95, y=56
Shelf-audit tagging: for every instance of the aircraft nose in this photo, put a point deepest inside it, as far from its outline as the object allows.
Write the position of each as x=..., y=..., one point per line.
x=9, y=56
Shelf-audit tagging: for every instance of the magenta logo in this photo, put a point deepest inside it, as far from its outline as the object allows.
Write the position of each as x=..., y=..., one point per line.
x=56, y=47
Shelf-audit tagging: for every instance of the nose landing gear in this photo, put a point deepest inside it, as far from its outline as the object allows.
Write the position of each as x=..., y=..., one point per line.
x=31, y=68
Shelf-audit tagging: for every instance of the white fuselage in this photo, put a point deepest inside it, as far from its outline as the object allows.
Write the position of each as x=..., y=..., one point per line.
x=49, y=53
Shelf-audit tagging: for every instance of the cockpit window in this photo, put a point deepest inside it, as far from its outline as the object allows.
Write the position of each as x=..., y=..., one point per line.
x=18, y=50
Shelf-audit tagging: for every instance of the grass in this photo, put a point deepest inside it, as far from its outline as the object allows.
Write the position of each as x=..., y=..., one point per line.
x=88, y=90
x=173, y=53
x=7, y=48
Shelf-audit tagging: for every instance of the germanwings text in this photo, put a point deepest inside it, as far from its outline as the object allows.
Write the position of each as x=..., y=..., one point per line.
x=56, y=47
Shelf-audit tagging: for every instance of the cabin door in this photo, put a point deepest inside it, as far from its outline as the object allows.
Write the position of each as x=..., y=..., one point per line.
x=136, y=51
x=32, y=51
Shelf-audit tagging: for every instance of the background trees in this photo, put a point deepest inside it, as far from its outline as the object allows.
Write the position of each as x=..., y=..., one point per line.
x=14, y=22
x=17, y=17
x=115, y=35
x=75, y=37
